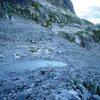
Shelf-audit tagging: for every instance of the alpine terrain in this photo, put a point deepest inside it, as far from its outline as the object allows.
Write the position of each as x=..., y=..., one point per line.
x=47, y=52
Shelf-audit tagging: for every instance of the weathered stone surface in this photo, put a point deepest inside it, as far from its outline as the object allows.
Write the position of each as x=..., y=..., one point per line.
x=69, y=5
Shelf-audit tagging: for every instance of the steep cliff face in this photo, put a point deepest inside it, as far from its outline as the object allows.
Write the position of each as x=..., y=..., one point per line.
x=15, y=2
x=67, y=3
x=42, y=11
x=58, y=15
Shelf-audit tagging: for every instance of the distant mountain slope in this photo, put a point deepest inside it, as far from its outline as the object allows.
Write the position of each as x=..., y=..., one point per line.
x=58, y=15
x=49, y=11
x=66, y=3
x=98, y=25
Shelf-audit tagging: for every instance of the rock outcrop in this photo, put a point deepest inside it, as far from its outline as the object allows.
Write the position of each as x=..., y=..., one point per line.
x=59, y=15
x=67, y=3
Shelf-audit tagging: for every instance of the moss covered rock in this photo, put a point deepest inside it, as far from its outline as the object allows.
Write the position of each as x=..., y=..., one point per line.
x=97, y=35
x=70, y=37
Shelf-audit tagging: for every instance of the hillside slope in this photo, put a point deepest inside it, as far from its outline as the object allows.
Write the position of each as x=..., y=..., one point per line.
x=47, y=52
x=59, y=16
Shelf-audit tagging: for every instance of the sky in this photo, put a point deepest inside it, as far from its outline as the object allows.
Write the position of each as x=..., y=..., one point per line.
x=88, y=9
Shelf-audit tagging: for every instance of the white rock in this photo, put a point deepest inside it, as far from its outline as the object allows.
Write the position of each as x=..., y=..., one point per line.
x=78, y=40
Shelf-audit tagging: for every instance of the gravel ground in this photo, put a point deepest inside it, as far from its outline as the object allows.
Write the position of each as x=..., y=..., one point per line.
x=47, y=84
x=22, y=41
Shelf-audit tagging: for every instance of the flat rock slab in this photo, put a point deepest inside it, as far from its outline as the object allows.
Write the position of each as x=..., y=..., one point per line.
x=31, y=65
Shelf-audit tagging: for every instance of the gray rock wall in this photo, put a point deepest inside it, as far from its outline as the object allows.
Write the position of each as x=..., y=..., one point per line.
x=67, y=3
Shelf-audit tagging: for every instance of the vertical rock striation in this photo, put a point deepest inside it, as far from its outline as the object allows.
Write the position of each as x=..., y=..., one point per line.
x=69, y=5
